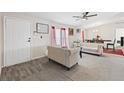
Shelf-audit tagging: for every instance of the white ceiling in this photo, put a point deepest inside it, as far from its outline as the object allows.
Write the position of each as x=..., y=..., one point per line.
x=66, y=17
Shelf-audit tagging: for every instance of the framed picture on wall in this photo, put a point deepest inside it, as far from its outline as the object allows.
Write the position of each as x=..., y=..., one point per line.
x=71, y=31
x=42, y=28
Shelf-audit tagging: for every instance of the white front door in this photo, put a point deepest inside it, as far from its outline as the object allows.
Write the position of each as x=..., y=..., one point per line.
x=16, y=41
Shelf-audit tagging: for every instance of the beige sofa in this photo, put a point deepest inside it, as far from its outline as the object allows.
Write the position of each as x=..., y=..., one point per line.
x=67, y=57
x=93, y=48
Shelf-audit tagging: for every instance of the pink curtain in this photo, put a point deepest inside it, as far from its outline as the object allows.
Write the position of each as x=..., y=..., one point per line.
x=64, y=38
x=53, y=36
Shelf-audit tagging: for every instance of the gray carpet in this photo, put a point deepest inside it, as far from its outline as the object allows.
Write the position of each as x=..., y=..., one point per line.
x=90, y=68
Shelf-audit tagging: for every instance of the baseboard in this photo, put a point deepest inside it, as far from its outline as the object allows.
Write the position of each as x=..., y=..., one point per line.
x=37, y=58
x=28, y=60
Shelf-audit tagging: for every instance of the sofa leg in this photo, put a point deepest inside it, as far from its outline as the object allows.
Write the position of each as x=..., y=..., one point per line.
x=49, y=59
x=68, y=69
x=107, y=46
x=80, y=54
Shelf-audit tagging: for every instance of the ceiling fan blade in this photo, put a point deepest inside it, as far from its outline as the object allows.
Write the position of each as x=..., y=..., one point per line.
x=91, y=15
x=85, y=14
x=77, y=16
x=78, y=19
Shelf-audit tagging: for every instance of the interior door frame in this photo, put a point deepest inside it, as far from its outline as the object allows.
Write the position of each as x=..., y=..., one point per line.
x=4, y=36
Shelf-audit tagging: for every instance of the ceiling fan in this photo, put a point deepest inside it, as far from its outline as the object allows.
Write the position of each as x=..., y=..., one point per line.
x=84, y=16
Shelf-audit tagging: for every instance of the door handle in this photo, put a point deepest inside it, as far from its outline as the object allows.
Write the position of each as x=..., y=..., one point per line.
x=29, y=41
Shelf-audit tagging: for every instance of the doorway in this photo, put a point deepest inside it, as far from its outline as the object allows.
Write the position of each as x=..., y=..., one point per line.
x=119, y=35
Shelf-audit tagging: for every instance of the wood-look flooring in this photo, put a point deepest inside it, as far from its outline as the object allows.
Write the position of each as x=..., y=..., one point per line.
x=90, y=68
x=39, y=69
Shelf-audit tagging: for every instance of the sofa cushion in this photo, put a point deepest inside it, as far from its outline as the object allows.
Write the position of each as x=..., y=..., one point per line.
x=89, y=49
x=94, y=48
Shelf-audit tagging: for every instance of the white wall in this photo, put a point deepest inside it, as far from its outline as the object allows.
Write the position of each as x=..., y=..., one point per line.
x=38, y=45
x=76, y=36
x=106, y=32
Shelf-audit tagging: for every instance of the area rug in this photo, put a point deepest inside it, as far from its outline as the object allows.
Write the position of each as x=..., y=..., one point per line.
x=116, y=51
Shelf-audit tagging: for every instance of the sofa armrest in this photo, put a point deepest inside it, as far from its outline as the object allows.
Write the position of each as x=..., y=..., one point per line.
x=73, y=51
x=100, y=49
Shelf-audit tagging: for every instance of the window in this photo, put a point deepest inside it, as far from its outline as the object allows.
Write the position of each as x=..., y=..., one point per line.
x=64, y=39
x=58, y=37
